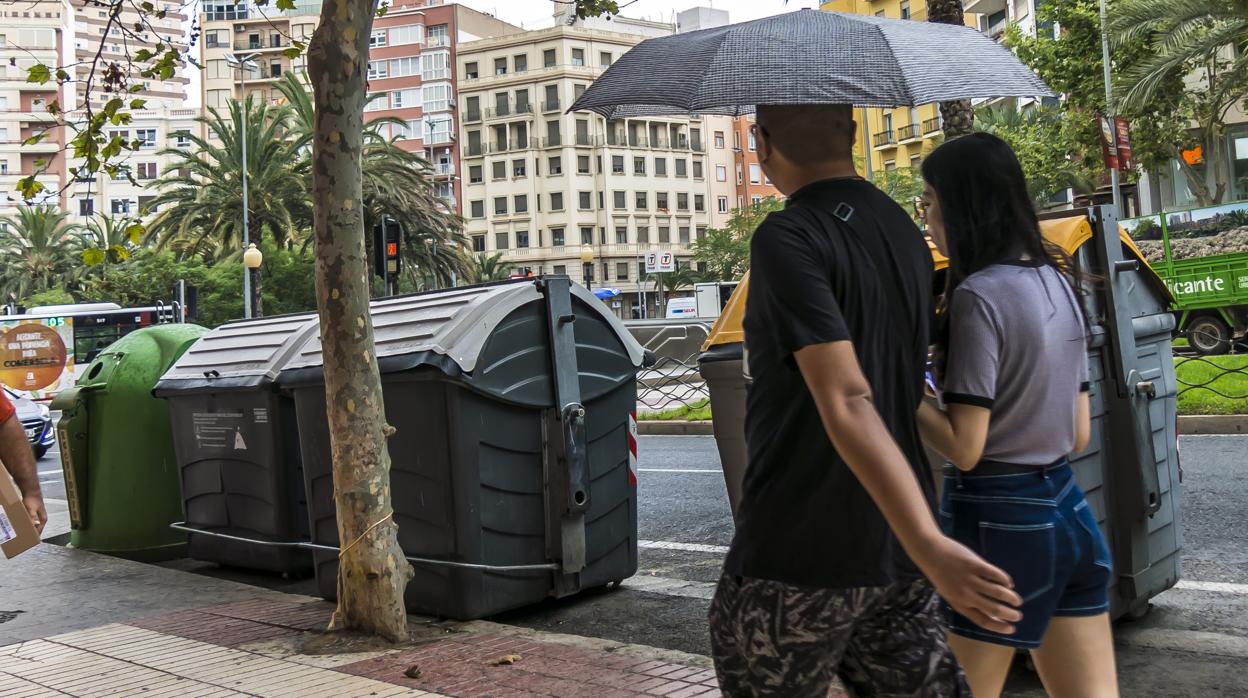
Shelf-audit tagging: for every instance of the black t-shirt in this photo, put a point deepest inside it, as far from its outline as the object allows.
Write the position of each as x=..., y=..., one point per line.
x=804, y=518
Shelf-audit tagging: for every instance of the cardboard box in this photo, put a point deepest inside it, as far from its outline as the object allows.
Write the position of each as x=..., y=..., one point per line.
x=17, y=533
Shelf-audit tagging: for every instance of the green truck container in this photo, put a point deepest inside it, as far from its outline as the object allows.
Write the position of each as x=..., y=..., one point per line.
x=121, y=475
x=1210, y=292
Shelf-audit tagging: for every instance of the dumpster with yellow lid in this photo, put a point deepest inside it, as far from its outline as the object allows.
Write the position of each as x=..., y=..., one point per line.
x=1130, y=470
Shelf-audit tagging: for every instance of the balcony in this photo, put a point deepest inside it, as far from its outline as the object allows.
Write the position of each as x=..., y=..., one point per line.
x=907, y=133
x=524, y=108
x=585, y=140
x=498, y=111
x=436, y=74
x=617, y=138
x=984, y=7
x=550, y=105
x=552, y=141
x=474, y=150
x=472, y=116
x=884, y=139
x=698, y=146
x=437, y=42
x=276, y=43
x=931, y=126
x=443, y=169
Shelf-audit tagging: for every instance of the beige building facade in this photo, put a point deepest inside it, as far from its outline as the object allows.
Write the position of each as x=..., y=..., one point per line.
x=554, y=192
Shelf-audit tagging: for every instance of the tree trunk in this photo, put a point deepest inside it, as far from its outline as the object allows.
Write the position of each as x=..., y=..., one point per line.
x=958, y=116
x=257, y=297
x=372, y=571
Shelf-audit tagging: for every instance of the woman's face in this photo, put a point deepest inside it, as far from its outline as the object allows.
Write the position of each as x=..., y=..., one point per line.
x=932, y=216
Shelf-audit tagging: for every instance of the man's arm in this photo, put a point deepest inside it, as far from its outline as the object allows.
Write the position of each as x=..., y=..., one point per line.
x=843, y=397
x=19, y=460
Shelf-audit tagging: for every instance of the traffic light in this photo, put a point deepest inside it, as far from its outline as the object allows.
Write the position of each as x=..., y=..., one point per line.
x=388, y=248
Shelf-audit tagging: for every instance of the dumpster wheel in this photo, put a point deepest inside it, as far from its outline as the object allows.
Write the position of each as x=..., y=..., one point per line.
x=1138, y=611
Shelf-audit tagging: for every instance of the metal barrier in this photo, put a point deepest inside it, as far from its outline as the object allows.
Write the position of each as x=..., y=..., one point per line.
x=674, y=380
x=1224, y=377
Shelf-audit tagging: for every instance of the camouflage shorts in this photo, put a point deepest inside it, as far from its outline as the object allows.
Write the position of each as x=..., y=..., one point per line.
x=774, y=639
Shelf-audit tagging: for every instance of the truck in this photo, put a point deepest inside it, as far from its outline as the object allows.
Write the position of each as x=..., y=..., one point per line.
x=1210, y=291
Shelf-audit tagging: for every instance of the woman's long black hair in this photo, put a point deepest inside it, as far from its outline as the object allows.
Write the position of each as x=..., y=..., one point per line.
x=988, y=215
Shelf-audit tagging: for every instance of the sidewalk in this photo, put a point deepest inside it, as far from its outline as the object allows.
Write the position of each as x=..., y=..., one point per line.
x=78, y=624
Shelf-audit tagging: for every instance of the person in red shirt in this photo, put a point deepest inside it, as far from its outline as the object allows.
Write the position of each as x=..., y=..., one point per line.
x=19, y=460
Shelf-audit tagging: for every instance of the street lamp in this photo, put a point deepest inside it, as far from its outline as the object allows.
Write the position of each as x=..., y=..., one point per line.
x=587, y=265
x=252, y=259
x=244, y=63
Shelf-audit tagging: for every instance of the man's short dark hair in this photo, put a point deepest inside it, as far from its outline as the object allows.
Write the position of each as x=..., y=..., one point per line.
x=808, y=134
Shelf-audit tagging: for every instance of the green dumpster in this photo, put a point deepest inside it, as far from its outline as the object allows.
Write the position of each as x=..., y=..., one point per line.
x=121, y=476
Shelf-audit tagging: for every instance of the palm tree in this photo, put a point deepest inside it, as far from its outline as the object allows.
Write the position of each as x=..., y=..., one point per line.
x=958, y=115
x=110, y=240
x=397, y=184
x=41, y=251
x=1203, y=39
x=1024, y=129
x=200, y=202
x=487, y=268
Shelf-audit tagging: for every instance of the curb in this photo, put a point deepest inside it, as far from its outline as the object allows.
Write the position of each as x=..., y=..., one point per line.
x=1189, y=425
x=1213, y=424
x=674, y=428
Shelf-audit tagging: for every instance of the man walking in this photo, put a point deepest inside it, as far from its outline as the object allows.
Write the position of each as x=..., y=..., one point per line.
x=19, y=460
x=825, y=576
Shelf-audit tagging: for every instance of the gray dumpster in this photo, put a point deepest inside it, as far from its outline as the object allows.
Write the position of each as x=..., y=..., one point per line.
x=236, y=445
x=511, y=471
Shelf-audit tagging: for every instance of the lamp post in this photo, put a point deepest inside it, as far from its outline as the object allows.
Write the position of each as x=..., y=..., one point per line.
x=252, y=259
x=587, y=265
x=244, y=63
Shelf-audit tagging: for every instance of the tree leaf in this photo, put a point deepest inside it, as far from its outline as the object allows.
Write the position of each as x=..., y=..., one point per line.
x=134, y=232
x=285, y=4
x=93, y=256
x=29, y=187
x=39, y=74
x=292, y=52
x=143, y=55
x=118, y=253
x=34, y=140
x=137, y=104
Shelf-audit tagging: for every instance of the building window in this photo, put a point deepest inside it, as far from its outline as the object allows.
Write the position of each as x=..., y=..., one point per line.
x=660, y=167
x=548, y=58
x=665, y=234
x=405, y=99
x=147, y=170
x=582, y=164
x=522, y=239
x=914, y=162
x=120, y=206
x=522, y=206
x=682, y=167
x=682, y=201
x=146, y=137
x=500, y=66
x=519, y=167
x=619, y=200
x=617, y=164
x=905, y=9
x=660, y=201
x=621, y=271
x=699, y=202
x=684, y=235
x=643, y=234
x=756, y=199
x=86, y=207
x=697, y=169
x=578, y=56
x=476, y=209
x=182, y=139
x=407, y=34
x=756, y=174
x=554, y=166
x=520, y=63
x=890, y=165
x=471, y=71
x=639, y=166
x=721, y=204
x=753, y=144
x=478, y=243
x=621, y=235
x=436, y=97
x=585, y=201
x=377, y=70
x=502, y=241
x=556, y=240
x=476, y=174
x=587, y=235
x=721, y=173
x=498, y=169
x=375, y=40
x=556, y=201
x=701, y=232
x=719, y=140
x=500, y=205
x=642, y=201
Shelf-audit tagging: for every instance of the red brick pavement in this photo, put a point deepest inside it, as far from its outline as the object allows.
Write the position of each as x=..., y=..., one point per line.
x=462, y=665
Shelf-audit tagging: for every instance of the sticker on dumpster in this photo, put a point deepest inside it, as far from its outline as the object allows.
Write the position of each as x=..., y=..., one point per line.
x=217, y=429
x=260, y=415
x=239, y=444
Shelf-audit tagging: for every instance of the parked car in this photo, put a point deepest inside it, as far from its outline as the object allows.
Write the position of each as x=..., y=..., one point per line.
x=36, y=420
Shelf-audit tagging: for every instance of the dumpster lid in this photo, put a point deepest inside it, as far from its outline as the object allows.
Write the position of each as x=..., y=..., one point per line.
x=455, y=323
x=240, y=354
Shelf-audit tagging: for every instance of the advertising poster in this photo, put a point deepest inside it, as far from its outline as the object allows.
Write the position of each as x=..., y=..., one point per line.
x=36, y=356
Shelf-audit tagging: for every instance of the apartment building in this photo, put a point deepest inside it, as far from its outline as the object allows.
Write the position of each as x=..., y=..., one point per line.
x=156, y=130
x=574, y=193
x=116, y=38
x=893, y=138
x=30, y=33
x=410, y=71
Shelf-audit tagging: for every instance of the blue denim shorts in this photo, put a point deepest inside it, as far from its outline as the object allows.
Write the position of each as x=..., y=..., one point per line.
x=1039, y=529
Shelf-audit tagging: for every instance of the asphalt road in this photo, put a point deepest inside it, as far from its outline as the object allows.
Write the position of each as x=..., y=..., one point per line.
x=1195, y=641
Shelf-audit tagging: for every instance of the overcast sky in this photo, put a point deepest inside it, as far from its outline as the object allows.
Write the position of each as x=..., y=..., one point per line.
x=536, y=13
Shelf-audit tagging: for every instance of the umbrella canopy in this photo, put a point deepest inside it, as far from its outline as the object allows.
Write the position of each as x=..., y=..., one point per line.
x=605, y=293
x=808, y=57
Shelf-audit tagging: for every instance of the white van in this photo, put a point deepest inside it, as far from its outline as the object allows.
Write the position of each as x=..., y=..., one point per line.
x=682, y=308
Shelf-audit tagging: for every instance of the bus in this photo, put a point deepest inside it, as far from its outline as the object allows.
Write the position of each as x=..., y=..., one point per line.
x=44, y=349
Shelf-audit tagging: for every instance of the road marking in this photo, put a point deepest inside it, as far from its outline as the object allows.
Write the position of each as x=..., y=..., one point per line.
x=1216, y=587
x=51, y=472
x=677, y=470
x=55, y=501
x=684, y=547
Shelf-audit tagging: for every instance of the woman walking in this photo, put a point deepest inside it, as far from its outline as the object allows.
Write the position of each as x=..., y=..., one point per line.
x=1012, y=355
